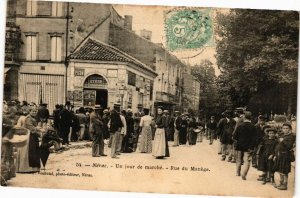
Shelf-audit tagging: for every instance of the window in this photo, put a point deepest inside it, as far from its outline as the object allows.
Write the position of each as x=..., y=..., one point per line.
x=57, y=9
x=56, y=48
x=31, y=8
x=131, y=78
x=31, y=50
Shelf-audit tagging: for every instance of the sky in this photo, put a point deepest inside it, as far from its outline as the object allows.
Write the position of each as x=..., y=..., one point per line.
x=152, y=18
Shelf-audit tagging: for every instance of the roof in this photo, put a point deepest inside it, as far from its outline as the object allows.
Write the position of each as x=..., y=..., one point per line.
x=95, y=50
x=157, y=46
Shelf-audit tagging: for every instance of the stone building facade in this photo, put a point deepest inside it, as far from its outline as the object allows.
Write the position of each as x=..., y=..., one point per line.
x=51, y=32
x=102, y=74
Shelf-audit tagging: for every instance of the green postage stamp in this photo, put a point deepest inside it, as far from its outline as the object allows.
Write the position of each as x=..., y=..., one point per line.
x=188, y=28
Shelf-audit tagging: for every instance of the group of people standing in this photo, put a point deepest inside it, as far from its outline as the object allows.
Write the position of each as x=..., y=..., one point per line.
x=269, y=148
x=26, y=139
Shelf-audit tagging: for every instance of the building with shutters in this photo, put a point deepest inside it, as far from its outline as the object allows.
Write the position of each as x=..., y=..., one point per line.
x=48, y=33
x=52, y=67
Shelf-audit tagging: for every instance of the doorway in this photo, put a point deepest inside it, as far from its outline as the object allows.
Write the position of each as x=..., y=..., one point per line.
x=94, y=97
x=101, y=97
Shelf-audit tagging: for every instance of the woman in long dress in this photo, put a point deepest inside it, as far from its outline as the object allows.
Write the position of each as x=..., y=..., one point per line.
x=146, y=139
x=160, y=147
x=28, y=158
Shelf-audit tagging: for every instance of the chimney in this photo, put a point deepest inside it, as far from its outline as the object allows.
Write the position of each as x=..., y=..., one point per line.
x=128, y=22
x=147, y=34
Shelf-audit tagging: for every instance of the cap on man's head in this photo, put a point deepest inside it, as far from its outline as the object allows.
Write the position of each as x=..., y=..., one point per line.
x=248, y=115
x=97, y=107
x=271, y=129
x=68, y=103
x=228, y=113
x=105, y=111
x=261, y=117
x=287, y=124
x=166, y=111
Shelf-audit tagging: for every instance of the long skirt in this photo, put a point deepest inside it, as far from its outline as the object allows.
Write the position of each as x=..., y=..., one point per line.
x=22, y=165
x=182, y=136
x=159, y=143
x=146, y=140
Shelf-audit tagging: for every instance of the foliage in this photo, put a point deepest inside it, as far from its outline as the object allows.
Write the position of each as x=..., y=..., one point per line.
x=256, y=50
x=212, y=100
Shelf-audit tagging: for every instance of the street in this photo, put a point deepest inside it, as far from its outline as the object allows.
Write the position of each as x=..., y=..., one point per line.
x=190, y=170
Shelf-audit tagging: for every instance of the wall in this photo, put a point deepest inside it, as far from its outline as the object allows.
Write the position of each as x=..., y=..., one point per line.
x=101, y=68
x=150, y=54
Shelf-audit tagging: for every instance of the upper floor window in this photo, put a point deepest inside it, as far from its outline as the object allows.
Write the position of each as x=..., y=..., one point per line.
x=31, y=46
x=131, y=78
x=57, y=9
x=31, y=8
x=56, y=52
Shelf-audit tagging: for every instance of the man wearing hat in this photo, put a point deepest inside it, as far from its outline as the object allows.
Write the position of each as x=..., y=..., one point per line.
x=105, y=119
x=96, y=123
x=259, y=137
x=65, y=122
x=137, y=119
x=177, y=121
x=245, y=137
x=211, y=128
x=225, y=130
x=167, y=129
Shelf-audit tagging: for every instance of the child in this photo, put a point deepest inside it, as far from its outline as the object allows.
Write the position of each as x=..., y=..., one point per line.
x=267, y=151
x=284, y=155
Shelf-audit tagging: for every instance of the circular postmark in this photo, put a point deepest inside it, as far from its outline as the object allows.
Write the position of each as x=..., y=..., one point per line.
x=188, y=29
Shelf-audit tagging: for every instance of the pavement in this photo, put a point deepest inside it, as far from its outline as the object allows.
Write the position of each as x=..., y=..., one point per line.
x=189, y=170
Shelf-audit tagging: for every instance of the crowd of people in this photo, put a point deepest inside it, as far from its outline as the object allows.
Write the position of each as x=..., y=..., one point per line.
x=267, y=146
x=242, y=139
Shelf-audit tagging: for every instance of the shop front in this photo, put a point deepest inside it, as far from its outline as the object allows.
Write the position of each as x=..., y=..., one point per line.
x=42, y=88
x=95, y=91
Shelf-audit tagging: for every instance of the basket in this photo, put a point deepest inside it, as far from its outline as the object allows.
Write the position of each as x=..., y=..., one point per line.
x=20, y=136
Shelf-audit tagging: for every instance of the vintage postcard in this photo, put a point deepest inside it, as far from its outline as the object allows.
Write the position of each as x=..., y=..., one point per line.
x=153, y=99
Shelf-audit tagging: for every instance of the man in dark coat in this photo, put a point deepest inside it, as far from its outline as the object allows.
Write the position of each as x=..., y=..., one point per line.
x=177, y=123
x=259, y=137
x=97, y=124
x=225, y=130
x=183, y=130
x=65, y=118
x=137, y=119
x=211, y=128
x=245, y=137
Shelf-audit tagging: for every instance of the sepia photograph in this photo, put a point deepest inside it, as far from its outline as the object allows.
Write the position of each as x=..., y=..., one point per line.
x=151, y=99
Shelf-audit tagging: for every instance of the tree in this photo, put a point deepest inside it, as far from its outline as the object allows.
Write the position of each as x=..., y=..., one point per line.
x=257, y=52
x=209, y=97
